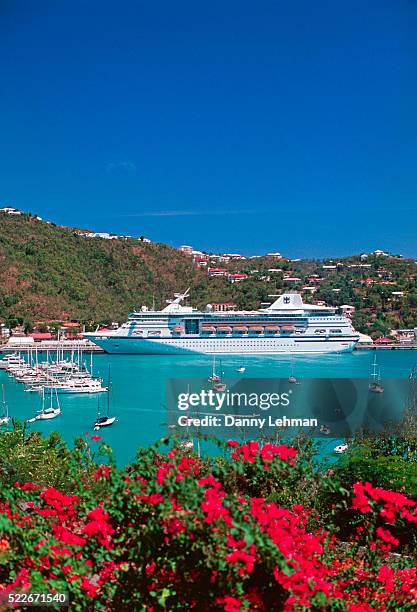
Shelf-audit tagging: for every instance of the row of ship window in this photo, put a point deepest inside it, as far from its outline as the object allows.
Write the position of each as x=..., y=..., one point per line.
x=157, y=333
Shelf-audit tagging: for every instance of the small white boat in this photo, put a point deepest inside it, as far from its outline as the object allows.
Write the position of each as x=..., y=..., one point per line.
x=76, y=386
x=340, y=448
x=104, y=422
x=241, y=369
x=11, y=360
x=45, y=414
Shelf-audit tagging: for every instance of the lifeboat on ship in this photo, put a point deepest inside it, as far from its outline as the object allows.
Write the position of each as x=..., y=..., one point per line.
x=208, y=329
x=224, y=329
x=177, y=330
x=256, y=329
x=288, y=329
x=240, y=329
x=272, y=329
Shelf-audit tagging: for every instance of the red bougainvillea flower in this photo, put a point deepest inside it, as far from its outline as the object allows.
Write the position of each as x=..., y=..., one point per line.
x=386, y=576
x=88, y=587
x=230, y=604
x=390, y=503
x=98, y=525
x=283, y=452
x=102, y=472
x=66, y=536
x=386, y=536
x=154, y=499
x=213, y=508
x=250, y=451
x=246, y=560
x=28, y=486
x=96, y=438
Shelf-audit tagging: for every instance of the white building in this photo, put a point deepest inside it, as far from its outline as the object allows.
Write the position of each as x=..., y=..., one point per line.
x=4, y=331
x=8, y=210
x=185, y=248
x=405, y=335
x=347, y=310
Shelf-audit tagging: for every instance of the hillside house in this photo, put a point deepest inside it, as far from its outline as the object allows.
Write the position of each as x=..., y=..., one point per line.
x=216, y=272
x=188, y=250
x=236, y=278
x=8, y=210
x=405, y=335
x=347, y=310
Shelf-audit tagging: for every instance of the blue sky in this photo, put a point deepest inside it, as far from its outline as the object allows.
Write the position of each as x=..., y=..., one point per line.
x=231, y=126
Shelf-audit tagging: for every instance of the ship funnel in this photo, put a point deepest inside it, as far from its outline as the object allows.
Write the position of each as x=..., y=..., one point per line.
x=287, y=301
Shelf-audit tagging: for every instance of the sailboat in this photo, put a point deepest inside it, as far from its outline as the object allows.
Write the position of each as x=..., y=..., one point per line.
x=219, y=385
x=214, y=378
x=107, y=420
x=241, y=368
x=4, y=418
x=45, y=414
x=291, y=378
x=375, y=386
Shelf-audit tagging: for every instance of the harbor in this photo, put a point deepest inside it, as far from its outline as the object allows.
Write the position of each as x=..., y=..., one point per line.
x=139, y=382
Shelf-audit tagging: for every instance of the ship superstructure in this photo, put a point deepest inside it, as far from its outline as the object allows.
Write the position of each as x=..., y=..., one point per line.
x=286, y=326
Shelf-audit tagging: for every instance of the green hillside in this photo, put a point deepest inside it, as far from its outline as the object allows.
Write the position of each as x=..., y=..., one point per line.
x=50, y=272
x=53, y=273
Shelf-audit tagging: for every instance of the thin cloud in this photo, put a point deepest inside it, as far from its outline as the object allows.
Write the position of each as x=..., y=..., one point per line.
x=121, y=166
x=188, y=213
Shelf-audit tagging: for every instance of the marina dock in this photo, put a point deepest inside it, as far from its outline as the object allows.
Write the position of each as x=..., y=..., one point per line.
x=388, y=347
x=51, y=345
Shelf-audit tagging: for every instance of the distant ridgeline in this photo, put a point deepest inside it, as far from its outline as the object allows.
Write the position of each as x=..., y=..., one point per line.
x=56, y=273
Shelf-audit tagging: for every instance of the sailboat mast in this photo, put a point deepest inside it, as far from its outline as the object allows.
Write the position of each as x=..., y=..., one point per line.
x=108, y=394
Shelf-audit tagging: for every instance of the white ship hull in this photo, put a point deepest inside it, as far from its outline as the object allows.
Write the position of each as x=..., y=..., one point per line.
x=222, y=346
x=288, y=326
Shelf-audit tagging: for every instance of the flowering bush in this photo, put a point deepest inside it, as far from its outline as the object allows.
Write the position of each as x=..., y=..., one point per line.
x=174, y=531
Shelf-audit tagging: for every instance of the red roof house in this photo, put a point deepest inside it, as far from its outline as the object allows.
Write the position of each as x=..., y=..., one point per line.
x=42, y=336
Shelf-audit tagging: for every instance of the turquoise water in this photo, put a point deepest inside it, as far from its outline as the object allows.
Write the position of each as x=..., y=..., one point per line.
x=139, y=383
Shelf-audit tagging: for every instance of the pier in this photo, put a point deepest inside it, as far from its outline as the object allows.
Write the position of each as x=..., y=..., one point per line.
x=388, y=347
x=51, y=345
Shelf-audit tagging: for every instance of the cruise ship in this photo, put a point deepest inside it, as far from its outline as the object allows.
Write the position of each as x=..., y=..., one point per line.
x=288, y=326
